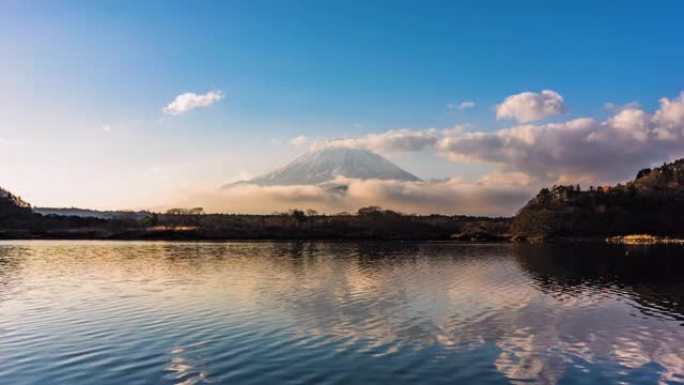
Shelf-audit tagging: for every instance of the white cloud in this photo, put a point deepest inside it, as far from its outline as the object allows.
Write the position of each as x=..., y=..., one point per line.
x=299, y=141
x=530, y=106
x=189, y=101
x=580, y=150
x=393, y=141
x=669, y=119
x=456, y=130
x=462, y=106
x=401, y=140
x=632, y=122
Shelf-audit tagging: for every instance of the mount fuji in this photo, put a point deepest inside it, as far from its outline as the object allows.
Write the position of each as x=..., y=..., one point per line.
x=325, y=165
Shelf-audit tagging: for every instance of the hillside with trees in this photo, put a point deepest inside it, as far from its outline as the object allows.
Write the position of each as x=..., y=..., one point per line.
x=14, y=212
x=652, y=203
x=18, y=220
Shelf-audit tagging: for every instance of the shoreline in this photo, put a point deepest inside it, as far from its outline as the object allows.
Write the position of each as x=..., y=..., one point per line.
x=194, y=235
x=644, y=239
x=170, y=235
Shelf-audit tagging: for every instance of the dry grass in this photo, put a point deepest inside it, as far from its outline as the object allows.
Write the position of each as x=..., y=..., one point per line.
x=643, y=239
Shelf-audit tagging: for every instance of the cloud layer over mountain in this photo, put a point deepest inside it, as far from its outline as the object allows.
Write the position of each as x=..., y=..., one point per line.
x=525, y=157
x=453, y=196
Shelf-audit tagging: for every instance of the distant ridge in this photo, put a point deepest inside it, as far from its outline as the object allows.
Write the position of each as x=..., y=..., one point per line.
x=327, y=164
x=88, y=213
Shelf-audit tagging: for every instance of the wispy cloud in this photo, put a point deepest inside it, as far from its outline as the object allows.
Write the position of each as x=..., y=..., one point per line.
x=462, y=106
x=612, y=107
x=189, y=101
x=530, y=106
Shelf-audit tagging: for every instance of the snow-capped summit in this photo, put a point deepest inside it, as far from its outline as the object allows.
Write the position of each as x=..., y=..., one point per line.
x=329, y=163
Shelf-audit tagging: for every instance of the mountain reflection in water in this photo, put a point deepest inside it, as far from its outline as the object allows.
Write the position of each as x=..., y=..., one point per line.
x=257, y=312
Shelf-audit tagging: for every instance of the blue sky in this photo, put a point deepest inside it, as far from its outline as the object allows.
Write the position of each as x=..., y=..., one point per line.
x=286, y=68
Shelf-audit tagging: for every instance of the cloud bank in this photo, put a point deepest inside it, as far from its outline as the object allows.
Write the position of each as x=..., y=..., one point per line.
x=530, y=106
x=579, y=150
x=189, y=101
x=393, y=141
x=453, y=196
x=582, y=150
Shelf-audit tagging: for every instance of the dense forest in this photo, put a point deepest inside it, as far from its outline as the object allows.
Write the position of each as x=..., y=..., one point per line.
x=652, y=203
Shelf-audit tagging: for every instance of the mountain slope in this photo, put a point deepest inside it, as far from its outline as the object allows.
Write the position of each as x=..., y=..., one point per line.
x=329, y=163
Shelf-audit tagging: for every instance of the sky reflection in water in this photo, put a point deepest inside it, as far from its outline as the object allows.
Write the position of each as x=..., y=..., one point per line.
x=256, y=312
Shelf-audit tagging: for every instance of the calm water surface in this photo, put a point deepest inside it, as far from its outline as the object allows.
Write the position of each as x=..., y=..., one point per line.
x=339, y=313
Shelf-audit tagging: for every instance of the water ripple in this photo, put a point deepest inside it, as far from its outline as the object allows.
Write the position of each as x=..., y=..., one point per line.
x=338, y=313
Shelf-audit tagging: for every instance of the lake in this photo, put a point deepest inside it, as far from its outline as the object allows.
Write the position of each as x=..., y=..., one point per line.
x=98, y=312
